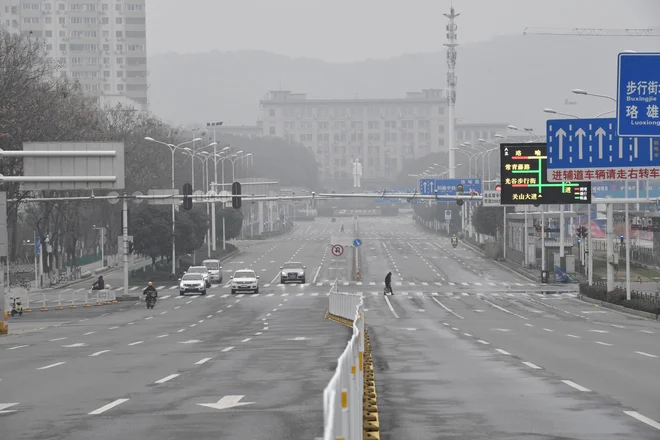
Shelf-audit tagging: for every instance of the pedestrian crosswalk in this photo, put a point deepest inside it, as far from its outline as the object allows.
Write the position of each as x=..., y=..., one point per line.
x=328, y=283
x=455, y=295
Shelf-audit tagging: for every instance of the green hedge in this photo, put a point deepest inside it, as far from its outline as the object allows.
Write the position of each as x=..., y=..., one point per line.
x=618, y=297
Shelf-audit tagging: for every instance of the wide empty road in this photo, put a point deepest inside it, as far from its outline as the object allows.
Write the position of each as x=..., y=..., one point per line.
x=464, y=349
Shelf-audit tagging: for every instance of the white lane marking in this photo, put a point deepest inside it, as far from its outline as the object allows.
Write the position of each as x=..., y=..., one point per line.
x=209, y=316
x=258, y=333
x=618, y=326
x=200, y=321
x=181, y=330
x=573, y=336
x=529, y=325
x=503, y=309
x=315, y=294
x=162, y=313
x=647, y=331
x=88, y=333
x=481, y=341
x=468, y=335
x=177, y=307
x=225, y=295
x=246, y=340
x=98, y=353
x=107, y=407
x=570, y=383
x=17, y=347
x=643, y=419
x=599, y=331
x=548, y=330
x=193, y=325
x=317, y=274
x=211, y=296
x=268, y=314
x=270, y=294
x=389, y=304
x=224, y=350
x=446, y=308
x=134, y=288
x=499, y=350
x=4, y=406
x=160, y=287
x=188, y=302
x=148, y=318
x=531, y=365
x=202, y=361
x=455, y=329
x=51, y=366
x=136, y=343
x=646, y=354
x=163, y=336
x=265, y=328
x=604, y=343
x=166, y=296
x=57, y=339
x=167, y=378
x=113, y=328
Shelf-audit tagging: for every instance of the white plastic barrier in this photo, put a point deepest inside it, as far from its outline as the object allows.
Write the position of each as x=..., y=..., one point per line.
x=343, y=397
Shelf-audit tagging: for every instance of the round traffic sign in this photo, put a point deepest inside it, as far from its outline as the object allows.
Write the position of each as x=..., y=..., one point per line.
x=113, y=194
x=337, y=250
x=357, y=242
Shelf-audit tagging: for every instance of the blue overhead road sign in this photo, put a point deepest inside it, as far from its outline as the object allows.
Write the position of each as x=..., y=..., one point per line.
x=638, y=95
x=448, y=186
x=589, y=150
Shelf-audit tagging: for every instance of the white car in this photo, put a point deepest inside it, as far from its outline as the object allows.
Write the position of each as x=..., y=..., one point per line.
x=192, y=282
x=215, y=270
x=202, y=270
x=245, y=279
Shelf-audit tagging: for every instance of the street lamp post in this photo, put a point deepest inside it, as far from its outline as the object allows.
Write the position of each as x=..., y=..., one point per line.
x=102, y=231
x=173, y=148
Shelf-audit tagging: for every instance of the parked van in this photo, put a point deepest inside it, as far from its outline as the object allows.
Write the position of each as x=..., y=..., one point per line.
x=215, y=270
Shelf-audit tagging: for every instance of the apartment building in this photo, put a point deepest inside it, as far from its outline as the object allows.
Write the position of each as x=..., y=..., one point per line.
x=381, y=133
x=100, y=43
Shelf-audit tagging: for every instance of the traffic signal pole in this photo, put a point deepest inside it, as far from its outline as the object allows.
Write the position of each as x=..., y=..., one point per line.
x=125, y=234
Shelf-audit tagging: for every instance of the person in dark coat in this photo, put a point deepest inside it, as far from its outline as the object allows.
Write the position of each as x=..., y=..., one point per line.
x=388, y=282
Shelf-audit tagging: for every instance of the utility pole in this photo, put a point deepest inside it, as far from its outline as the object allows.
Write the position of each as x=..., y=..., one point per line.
x=452, y=36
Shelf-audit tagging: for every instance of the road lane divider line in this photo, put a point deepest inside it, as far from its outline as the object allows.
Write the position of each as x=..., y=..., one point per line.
x=107, y=407
x=603, y=343
x=646, y=354
x=136, y=343
x=570, y=383
x=531, y=365
x=246, y=340
x=643, y=419
x=446, y=308
x=503, y=309
x=167, y=378
x=499, y=350
x=98, y=353
x=224, y=350
x=202, y=361
x=389, y=304
x=481, y=341
x=51, y=366
x=17, y=347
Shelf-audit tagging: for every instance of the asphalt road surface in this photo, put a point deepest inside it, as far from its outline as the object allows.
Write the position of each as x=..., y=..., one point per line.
x=464, y=349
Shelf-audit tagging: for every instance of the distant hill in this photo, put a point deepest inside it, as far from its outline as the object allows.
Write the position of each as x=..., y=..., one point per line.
x=508, y=79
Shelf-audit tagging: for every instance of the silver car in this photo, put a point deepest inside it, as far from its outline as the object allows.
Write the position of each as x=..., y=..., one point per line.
x=292, y=271
x=201, y=270
x=245, y=279
x=192, y=282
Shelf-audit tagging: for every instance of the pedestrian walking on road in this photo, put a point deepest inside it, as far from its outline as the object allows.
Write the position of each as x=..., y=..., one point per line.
x=388, y=284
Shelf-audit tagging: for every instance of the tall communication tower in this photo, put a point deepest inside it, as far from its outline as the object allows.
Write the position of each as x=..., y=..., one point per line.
x=452, y=36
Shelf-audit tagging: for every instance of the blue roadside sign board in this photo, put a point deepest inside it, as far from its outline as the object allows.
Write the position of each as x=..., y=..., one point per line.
x=638, y=94
x=617, y=190
x=427, y=187
x=357, y=242
x=589, y=150
x=390, y=195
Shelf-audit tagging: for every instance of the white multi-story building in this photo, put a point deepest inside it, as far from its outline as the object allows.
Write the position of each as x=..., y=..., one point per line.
x=100, y=43
x=381, y=133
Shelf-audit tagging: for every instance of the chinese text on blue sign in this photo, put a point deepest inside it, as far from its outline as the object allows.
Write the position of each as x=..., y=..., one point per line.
x=638, y=93
x=524, y=179
x=589, y=149
x=448, y=186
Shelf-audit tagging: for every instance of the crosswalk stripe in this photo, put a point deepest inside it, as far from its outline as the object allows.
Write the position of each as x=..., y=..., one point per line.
x=359, y=283
x=465, y=284
x=165, y=297
x=372, y=283
x=267, y=285
x=211, y=296
x=451, y=284
x=450, y=294
x=225, y=295
x=300, y=294
x=270, y=294
x=398, y=283
x=319, y=284
x=434, y=293
x=240, y=295
x=478, y=284
x=285, y=294
x=256, y=295
x=404, y=293
x=425, y=284
x=160, y=287
x=173, y=287
x=438, y=283
x=315, y=294
x=465, y=294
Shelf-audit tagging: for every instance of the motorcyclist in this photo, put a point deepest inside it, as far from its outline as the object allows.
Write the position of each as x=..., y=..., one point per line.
x=150, y=291
x=388, y=282
x=99, y=284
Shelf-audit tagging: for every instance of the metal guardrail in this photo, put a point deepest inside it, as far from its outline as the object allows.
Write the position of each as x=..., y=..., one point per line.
x=343, y=397
x=58, y=300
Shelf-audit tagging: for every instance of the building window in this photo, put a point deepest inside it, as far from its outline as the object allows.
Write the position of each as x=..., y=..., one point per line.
x=441, y=128
x=135, y=7
x=49, y=20
x=120, y=74
x=390, y=124
x=119, y=34
x=271, y=113
x=374, y=125
x=61, y=20
x=271, y=130
x=120, y=87
x=104, y=7
x=118, y=20
x=49, y=33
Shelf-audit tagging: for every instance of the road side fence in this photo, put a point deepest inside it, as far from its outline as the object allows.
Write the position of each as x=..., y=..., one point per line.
x=343, y=397
x=59, y=300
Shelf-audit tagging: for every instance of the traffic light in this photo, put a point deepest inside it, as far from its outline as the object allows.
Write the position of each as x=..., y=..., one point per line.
x=236, y=195
x=622, y=240
x=187, y=200
x=581, y=232
x=498, y=187
x=130, y=247
x=459, y=192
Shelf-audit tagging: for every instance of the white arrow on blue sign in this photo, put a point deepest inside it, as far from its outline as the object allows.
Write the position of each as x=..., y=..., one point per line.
x=590, y=150
x=357, y=242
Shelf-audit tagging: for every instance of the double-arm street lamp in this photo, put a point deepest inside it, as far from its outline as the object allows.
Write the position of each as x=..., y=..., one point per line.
x=173, y=148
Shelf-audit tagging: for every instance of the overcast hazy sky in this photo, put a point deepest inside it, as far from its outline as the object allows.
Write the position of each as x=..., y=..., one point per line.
x=353, y=30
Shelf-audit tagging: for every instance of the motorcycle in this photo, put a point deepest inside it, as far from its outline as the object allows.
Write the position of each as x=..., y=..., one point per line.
x=16, y=307
x=454, y=243
x=151, y=300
